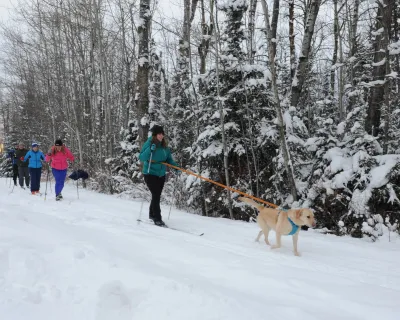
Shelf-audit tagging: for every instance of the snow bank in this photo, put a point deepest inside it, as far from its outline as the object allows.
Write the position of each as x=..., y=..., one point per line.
x=89, y=259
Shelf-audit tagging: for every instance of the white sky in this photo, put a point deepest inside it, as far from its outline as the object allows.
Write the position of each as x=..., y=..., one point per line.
x=5, y=6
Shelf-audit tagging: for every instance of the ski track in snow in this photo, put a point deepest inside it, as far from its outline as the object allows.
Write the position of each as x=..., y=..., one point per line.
x=89, y=258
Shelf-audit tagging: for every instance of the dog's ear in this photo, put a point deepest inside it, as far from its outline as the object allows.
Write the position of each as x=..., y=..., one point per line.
x=299, y=213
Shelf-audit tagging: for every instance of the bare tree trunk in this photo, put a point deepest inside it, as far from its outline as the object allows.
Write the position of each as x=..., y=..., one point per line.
x=74, y=101
x=222, y=117
x=386, y=21
x=341, y=80
x=285, y=150
x=133, y=66
x=300, y=75
x=274, y=25
x=126, y=83
x=49, y=88
x=184, y=43
x=353, y=43
x=207, y=31
x=354, y=36
x=383, y=20
x=291, y=40
x=142, y=91
x=335, y=48
x=251, y=46
x=396, y=27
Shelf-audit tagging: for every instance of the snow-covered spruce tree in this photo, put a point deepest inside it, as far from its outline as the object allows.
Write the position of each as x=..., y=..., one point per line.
x=316, y=107
x=181, y=125
x=384, y=203
x=323, y=200
x=5, y=165
x=348, y=193
x=353, y=179
x=297, y=133
x=157, y=100
x=244, y=95
x=125, y=169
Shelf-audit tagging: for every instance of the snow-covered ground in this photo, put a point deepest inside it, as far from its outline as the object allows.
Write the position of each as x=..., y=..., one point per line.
x=89, y=258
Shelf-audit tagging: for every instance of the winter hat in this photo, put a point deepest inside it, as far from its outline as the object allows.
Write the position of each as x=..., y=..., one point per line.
x=58, y=143
x=157, y=129
x=34, y=144
x=21, y=144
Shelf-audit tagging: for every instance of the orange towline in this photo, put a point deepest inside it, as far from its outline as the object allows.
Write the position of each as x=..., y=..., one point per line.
x=220, y=185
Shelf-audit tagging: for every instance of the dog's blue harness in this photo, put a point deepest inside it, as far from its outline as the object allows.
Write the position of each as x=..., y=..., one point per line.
x=295, y=227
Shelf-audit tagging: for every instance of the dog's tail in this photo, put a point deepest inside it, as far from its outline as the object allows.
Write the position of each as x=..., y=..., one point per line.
x=251, y=202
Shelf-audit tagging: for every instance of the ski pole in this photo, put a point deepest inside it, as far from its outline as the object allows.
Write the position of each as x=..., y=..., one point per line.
x=77, y=192
x=12, y=190
x=174, y=193
x=51, y=188
x=140, y=214
x=47, y=179
x=144, y=198
x=75, y=168
x=151, y=156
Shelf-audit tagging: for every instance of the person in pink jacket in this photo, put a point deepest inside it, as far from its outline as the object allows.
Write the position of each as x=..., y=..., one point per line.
x=58, y=156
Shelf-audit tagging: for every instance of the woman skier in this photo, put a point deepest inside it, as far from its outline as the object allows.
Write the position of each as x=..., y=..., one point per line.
x=35, y=157
x=154, y=151
x=58, y=156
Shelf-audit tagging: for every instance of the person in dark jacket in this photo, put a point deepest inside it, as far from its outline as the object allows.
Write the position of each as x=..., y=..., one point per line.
x=154, y=151
x=23, y=170
x=13, y=159
x=35, y=157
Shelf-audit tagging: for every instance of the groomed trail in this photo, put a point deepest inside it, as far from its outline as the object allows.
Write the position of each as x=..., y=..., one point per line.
x=89, y=258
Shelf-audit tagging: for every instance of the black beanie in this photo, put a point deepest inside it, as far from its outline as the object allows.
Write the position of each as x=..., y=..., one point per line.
x=156, y=130
x=58, y=142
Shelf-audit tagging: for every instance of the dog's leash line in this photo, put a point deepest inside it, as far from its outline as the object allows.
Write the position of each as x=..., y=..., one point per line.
x=219, y=184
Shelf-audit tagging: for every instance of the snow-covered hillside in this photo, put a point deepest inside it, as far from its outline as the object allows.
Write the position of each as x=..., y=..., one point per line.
x=89, y=258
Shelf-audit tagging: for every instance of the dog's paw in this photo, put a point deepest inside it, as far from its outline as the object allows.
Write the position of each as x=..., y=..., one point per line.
x=267, y=242
x=297, y=254
x=275, y=246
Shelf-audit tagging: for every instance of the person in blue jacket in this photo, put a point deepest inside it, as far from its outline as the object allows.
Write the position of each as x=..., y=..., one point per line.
x=35, y=157
x=13, y=160
x=154, y=151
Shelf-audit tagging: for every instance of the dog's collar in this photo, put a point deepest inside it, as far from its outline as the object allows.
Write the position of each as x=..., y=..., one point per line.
x=295, y=227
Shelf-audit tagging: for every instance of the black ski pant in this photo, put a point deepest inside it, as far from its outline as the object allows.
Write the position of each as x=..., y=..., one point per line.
x=23, y=173
x=15, y=173
x=35, y=178
x=155, y=185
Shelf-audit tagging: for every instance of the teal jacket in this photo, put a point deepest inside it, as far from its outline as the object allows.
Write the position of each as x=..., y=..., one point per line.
x=159, y=155
x=35, y=158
